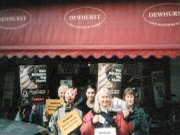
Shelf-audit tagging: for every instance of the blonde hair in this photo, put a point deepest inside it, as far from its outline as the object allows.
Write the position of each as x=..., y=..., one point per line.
x=63, y=87
x=96, y=103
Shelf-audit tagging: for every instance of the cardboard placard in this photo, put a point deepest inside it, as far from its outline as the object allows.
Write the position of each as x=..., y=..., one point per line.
x=52, y=104
x=105, y=131
x=69, y=122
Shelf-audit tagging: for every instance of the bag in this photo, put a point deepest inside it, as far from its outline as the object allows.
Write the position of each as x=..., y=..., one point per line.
x=18, y=117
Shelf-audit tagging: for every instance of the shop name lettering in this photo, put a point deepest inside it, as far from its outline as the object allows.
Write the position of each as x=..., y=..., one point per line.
x=13, y=18
x=85, y=17
x=164, y=14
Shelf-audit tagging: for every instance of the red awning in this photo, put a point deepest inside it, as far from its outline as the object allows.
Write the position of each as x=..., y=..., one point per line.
x=120, y=29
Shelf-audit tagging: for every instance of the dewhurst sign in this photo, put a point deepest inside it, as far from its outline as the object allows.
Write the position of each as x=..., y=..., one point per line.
x=163, y=15
x=85, y=17
x=11, y=19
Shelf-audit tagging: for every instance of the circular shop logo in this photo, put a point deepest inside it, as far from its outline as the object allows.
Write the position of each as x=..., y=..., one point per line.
x=163, y=15
x=11, y=19
x=85, y=17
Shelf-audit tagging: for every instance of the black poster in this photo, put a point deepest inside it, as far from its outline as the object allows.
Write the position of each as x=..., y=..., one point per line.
x=110, y=77
x=33, y=83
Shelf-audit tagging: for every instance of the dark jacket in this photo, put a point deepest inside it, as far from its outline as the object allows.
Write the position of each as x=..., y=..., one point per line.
x=139, y=121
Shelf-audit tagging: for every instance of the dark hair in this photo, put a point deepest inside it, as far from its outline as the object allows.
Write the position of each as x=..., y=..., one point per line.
x=90, y=86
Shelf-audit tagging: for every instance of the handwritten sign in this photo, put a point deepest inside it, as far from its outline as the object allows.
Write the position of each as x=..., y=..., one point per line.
x=105, y=131
x=52, y=104
x=69, y=122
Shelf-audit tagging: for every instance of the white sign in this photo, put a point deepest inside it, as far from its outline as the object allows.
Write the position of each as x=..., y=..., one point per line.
x=105, y=131
x=66, y=82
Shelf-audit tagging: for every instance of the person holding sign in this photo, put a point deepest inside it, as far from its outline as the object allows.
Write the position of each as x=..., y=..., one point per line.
x=102, y=119
x=52, y=104
x=137, y=115
x=68, y=106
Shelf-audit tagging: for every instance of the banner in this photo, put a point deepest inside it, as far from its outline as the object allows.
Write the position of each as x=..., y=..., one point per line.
x=33, y=83
x=69, y=122
x=52, y=105
x=158, y=83
x=110, y=77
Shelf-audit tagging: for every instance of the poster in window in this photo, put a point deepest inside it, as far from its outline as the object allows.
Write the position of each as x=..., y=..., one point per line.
x=110, y=77
x=33, y=85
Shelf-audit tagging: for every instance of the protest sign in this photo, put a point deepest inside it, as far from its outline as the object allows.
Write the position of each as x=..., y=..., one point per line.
x=69, y=122
x=105, y=131
x=52, y=104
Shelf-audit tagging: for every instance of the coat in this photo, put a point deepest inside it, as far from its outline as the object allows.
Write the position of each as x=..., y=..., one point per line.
x=58, y=114
x=122, y=127
x=139, y=121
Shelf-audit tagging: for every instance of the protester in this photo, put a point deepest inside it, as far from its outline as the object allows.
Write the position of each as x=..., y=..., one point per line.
x=88, y=104
x=34, y=118
x=61, y=93
x=25, y=112
x=62, y=90
x=101, y=116
x=62, y=110
x=137, y=115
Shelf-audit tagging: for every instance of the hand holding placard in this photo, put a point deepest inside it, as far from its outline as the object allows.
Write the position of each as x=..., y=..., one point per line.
x=52, y=105
x=69, y=122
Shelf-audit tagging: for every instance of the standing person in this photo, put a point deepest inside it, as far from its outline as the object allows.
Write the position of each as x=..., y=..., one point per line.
x=33, y=117
x=101, y=116
x=61, y=94
x=62, y=90
x=88, y=104
x=137, y=115
x=62, y=110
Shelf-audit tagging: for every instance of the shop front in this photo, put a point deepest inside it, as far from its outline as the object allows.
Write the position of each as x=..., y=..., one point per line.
x=70, y=43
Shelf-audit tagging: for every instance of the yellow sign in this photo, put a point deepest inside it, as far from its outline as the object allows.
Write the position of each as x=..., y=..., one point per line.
x=52, y=104
x=69, y=122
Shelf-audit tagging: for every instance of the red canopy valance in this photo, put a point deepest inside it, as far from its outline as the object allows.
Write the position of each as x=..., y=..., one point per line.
x=123, y=28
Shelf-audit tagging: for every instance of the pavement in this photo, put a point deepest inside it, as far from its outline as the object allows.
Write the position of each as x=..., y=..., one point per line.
x=10, y=127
